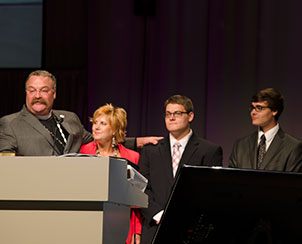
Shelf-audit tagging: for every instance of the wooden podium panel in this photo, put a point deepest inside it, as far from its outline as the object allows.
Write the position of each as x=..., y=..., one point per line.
x=65, y=200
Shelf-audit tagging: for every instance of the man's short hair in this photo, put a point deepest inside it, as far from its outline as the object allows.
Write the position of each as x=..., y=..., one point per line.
x=45, y=74
x=273, y=98
x=182, y=100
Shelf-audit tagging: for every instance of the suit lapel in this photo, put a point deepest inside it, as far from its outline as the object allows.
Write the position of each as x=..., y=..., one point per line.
x=273, y=149
x=191, y=147
x=188, y=153
x=166, y=159
x=253, y=147
x=32, y=121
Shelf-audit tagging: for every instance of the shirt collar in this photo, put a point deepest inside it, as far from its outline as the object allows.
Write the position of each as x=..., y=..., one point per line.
x=183, y=141
x=270, y=134
x=44, y=117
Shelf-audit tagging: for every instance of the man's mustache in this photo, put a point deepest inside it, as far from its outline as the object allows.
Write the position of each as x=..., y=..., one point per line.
x=40, y=100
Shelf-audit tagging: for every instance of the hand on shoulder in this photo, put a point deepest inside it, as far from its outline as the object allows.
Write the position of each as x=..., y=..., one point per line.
x=141, y=141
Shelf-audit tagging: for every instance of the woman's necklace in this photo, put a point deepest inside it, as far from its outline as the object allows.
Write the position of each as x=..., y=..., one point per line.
x=99, y=153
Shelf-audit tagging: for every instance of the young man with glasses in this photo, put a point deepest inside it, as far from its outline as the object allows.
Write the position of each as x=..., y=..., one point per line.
x=160, y=163
x=268, y=148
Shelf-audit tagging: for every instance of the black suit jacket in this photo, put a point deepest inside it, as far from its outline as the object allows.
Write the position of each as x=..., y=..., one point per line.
x=284, y=153
x=156, y=165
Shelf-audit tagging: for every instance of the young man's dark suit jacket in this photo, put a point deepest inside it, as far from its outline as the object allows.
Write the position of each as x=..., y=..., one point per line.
x=284, y=153
x=156, y=165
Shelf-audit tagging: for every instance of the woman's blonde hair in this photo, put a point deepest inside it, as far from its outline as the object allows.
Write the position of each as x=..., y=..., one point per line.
x=117, y=120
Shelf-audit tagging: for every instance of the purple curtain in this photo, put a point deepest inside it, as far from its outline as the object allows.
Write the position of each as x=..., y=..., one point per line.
x=216, y=52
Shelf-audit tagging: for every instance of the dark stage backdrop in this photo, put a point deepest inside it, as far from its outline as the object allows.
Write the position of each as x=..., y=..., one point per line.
x=216, y=52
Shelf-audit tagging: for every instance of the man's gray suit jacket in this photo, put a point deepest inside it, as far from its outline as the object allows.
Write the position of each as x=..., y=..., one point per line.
x=24, y=134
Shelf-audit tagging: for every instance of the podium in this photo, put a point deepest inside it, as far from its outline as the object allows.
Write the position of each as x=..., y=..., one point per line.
x=54, y=200
x=232, y=206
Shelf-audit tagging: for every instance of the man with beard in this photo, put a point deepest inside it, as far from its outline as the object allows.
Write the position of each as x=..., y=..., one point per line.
x=39, y=130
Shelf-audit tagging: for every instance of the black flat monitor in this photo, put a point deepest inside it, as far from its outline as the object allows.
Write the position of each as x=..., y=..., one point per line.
x=232, y=206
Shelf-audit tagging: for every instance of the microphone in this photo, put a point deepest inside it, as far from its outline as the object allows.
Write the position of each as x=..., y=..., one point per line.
x=59, y=121
x=62, y=116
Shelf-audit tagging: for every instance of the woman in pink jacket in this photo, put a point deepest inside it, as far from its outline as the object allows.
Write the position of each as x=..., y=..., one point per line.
x=109, y=130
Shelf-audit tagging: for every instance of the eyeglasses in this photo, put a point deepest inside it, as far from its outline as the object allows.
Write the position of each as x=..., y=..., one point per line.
x=176, y=114
x=43, y=91
x=258, y=108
